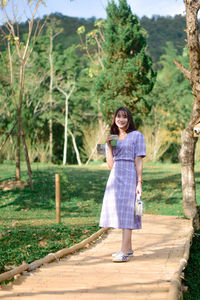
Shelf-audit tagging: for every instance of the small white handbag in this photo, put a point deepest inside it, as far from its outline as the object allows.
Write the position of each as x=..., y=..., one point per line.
x=139, y=206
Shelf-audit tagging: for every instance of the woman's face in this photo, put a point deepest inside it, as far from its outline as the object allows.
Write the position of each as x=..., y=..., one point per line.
x=121, y=120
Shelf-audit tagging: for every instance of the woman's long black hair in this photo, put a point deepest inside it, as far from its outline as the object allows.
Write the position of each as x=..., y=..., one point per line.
x=131, y=126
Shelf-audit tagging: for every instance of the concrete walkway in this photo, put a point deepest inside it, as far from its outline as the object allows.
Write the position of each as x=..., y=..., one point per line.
x=91, y=274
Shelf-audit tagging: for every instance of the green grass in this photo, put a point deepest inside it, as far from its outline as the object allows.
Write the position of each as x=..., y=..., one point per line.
x=192, y=273
x=28, y=218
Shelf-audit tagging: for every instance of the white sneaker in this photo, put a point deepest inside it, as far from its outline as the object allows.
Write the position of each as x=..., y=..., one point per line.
x=121, y=257
x=129, y=253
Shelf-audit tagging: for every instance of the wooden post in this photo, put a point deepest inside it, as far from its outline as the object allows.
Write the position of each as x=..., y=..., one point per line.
x=57, y=185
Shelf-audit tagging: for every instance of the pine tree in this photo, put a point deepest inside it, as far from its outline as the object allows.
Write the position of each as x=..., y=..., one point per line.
x=128, y=73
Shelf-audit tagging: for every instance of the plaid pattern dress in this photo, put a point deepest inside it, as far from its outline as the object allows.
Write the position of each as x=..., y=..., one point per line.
x=119, y=197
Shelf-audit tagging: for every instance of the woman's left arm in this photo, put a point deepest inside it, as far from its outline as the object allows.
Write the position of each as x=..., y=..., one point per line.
x=139, y=170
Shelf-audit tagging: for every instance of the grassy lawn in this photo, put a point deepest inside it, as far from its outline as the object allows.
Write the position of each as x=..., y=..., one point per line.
x=28, y=218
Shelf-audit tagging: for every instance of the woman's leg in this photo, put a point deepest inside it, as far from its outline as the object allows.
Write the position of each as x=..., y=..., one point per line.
x=126, y=240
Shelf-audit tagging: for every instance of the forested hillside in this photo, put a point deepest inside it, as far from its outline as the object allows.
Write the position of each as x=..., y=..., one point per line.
x=159, y=31
x=164, y=29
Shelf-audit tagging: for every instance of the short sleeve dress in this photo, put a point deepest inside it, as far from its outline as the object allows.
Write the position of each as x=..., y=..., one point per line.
x=119, y=197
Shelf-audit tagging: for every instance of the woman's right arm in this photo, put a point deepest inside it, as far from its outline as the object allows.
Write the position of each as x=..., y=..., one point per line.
x=109, y=157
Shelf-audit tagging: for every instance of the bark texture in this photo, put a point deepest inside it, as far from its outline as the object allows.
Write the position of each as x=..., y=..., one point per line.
x=187, y=152
x=75, y=148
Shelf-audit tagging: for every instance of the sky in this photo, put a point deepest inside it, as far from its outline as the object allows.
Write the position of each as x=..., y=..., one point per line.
x=96, y=8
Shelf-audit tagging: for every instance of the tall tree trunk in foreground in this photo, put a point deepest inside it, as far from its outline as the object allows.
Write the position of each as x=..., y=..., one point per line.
x=187, y=153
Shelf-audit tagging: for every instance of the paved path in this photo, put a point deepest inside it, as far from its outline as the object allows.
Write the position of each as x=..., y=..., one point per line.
x=91, y=274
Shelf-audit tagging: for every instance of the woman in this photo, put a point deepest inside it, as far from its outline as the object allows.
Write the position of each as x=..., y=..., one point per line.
x=124, y=182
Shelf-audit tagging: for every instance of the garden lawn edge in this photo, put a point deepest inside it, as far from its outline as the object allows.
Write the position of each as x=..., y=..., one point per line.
x=175, y=290
x=52, y=256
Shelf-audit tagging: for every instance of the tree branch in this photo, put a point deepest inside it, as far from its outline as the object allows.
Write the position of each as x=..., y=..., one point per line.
x=4, y=78
x=95, y=147
x=186, y=72
x=197, y=5
x=75, y=147
x=194, y=4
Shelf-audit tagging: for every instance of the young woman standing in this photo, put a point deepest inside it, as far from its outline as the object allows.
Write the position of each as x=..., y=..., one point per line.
x=124, y=182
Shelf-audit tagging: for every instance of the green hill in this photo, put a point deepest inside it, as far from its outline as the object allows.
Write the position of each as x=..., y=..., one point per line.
x=159, y=29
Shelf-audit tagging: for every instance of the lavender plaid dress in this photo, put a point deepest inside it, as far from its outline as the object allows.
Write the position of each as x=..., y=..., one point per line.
x=119, y=198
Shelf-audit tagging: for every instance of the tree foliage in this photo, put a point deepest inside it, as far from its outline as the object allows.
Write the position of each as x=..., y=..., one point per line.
x=128, y=73
x=172, y=95
x=124, y=82
x=162, y=29
x=170, y=102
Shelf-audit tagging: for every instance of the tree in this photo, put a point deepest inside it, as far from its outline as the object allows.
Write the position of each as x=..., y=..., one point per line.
x=177, y=90
x=69, y=75
x=128, y=73
x=66, y=71
x=23, y=49
x=82, y=100
x=66, y=81
x=94, y=50
x=93, y=45
x=170, y=107
x=53, y=31
x=187, y=152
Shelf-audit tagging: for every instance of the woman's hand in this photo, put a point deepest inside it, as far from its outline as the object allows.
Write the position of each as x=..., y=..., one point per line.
x=139, y=169
x=108, y=141
x=139, y=188
x=109, y=157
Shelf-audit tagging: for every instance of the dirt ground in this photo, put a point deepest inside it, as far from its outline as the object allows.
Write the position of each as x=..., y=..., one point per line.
x=12, y=185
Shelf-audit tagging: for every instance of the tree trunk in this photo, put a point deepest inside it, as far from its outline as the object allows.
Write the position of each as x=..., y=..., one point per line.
x=75, y=148
x=101, y=122
x=187, y=153
x=9, y=135
x=18, y=158
x=67, y=96
x=95, y=147
x=187, y=172
x=51, y=97
x=19, y=120
x=65, y=131
x=27, y=161
x=50, y=140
